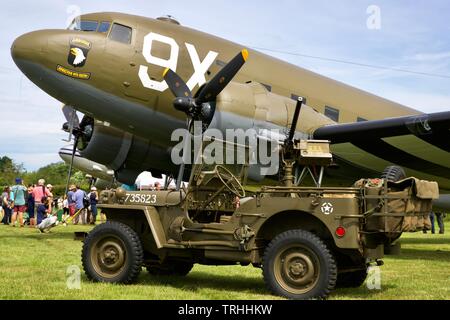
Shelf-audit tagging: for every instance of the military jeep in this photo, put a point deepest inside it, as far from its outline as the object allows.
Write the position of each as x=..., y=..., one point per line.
x=306, y=240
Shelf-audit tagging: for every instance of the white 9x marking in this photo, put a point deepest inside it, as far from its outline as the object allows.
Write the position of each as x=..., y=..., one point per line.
x=200, y=67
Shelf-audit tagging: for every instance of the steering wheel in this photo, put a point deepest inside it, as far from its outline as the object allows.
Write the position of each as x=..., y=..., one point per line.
x=230, y=181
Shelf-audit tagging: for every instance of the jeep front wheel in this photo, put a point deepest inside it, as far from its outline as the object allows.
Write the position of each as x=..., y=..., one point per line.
x=112, y=253
x=298, y=265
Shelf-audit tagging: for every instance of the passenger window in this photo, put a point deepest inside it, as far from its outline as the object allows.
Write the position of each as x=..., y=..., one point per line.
x=104, y=27
x=332, y=113
x=121, y=33
x=89, y=25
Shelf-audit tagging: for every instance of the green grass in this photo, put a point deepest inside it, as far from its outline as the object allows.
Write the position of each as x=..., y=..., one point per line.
x=33, y=266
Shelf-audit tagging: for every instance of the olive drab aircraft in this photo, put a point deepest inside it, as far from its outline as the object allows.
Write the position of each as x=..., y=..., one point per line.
x=111, y=67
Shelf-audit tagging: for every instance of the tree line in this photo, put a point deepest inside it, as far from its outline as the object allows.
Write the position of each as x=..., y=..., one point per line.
x=55, y=174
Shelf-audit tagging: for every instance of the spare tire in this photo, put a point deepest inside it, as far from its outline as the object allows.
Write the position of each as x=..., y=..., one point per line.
x=393, y=174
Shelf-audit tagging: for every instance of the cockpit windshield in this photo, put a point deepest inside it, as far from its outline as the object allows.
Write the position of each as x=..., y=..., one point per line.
x=90, y=26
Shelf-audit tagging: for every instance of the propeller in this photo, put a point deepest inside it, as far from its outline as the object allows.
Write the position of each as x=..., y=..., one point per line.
x=198, y=108
x=81, y=132
x=193, y=106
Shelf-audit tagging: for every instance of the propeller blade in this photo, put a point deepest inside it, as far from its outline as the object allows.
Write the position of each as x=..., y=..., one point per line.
x=178, y=87
x=222, y=79
x=71, y=116
x=73, y=121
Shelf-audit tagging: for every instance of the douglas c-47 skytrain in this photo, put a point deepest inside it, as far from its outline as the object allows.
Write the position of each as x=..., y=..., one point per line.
x=110, y=66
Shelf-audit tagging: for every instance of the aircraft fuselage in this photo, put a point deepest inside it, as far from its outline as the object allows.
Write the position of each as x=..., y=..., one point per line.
x=117, y=78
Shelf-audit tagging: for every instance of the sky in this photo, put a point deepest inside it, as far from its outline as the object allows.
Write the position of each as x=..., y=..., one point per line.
x=398, y=34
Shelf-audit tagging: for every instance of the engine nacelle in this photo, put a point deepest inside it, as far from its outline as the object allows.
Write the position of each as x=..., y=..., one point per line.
x=252, y=106
x=128, y=155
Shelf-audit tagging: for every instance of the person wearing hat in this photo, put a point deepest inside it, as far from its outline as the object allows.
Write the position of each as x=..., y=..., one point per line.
x=93, y=198
x=18, y=192
x=70, y=199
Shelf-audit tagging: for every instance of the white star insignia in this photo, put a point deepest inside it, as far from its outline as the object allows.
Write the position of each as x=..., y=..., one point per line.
x=327, y=208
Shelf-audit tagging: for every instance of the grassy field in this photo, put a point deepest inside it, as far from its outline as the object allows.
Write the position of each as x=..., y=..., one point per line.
x=33, y=266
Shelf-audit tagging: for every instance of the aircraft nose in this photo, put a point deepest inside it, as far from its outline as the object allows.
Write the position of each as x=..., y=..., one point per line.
x=28, y=47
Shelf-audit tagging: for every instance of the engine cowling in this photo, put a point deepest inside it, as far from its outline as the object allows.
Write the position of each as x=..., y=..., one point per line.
x=127, y=154
x=252, y=106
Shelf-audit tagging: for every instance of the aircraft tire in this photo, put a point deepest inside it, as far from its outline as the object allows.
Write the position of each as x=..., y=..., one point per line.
x=298, y=265
x=393, y=174
x=112, y=253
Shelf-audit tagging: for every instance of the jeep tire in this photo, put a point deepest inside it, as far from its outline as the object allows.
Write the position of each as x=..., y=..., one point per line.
x=112, y=253
x=298, y=265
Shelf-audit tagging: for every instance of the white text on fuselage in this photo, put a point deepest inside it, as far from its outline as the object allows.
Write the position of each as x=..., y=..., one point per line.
x=200, y=67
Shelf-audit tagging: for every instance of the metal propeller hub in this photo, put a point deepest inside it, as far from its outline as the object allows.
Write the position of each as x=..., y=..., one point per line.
x=193, y=106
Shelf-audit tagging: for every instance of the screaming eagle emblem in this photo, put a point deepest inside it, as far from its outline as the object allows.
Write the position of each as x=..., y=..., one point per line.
x=78, y=52
x=77, y=56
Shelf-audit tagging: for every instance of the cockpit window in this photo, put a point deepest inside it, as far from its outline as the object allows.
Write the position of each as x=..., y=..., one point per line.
x=104, y=27
x=89, y=25
x=121, y=33
x=83, y=25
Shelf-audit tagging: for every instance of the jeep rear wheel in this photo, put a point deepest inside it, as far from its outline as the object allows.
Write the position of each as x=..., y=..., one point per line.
x=175, y=268
x=298, y=265
x=112, y=253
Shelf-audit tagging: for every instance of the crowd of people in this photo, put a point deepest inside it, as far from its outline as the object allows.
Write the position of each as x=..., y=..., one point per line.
x=34, y=204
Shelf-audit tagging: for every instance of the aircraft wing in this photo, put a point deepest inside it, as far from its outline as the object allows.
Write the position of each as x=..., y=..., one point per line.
x=420, y=144
x=433, y=128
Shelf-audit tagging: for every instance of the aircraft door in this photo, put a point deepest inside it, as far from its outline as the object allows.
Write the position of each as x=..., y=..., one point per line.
x=145, y=80
x=120, y=65
x=134, y=86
